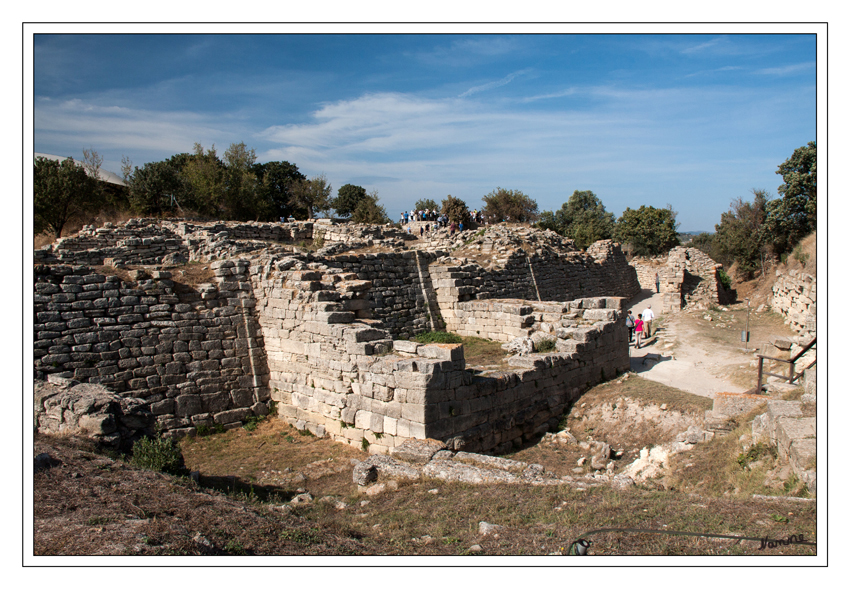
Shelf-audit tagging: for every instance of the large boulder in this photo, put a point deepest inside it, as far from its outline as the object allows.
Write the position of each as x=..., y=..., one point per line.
x=89, y=410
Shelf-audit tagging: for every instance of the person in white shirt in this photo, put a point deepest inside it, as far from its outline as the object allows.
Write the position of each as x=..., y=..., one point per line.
x=648, y=316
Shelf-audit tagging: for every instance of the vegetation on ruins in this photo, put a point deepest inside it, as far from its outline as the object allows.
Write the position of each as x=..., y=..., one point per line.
x=648, y=230
x=62, y=191
x=455, y=209
x=159, y=454
x=369, y=211
x=438, y=337
x=510, y=205
x=582, y=218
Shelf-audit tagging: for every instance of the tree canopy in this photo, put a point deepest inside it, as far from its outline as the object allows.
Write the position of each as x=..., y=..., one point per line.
x=455, y=209
x=158, y=188
x=348, y=198
x=510, y=205
x=313, y=195
x=61, y=191
x=582, y=218
x=276, y=180
x=649, y=231
x=792, y=217
x=426, y=204
x=736, y=237
x=369, y=211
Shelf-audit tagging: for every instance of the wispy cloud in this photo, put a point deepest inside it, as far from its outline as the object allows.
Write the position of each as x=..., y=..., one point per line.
x=491, y=85
x=123, y=128
x=788, y=69
x=728, y=68
x=712, y=46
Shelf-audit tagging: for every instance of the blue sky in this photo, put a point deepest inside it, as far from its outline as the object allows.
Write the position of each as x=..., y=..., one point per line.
x=690, y=120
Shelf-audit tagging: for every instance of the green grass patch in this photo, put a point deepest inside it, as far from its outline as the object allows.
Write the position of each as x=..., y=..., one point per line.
x=438, y=337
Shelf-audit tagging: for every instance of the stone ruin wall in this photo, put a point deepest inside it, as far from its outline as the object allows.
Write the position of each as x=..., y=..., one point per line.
x=795, y=297
x=195, y=358
x=216, y=354
x=335, y=372
x=688, y=278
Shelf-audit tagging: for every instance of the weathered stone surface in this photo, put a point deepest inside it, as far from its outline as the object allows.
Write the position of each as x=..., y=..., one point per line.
x=417, y=451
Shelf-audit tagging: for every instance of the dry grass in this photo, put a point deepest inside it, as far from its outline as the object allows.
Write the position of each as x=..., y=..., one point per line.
x=483, y=352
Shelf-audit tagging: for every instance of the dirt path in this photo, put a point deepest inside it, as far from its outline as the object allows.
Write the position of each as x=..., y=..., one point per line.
x=677, y=357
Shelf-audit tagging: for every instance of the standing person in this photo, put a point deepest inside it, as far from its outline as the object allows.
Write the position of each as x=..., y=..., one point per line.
x=630, y=323
x=452, y=229
x=657, y=283
x=638, y=331
x=648, y=316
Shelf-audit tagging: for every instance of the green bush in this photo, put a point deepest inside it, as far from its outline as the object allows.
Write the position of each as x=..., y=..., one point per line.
x=545, y=345
x=724, y=279
x=438, y=337
x=159, y=454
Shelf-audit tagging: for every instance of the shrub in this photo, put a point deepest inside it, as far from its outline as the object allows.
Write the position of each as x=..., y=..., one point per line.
x=545, y=345
x=159, y=454
x=438, y=337
x=724, y=279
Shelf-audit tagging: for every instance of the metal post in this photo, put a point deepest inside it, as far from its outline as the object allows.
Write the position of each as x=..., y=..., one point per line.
x=747, y=342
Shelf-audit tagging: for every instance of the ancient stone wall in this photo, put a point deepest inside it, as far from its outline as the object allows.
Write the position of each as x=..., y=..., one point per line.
x=647, y=268
x=795, y=297
x=196, y=357
x=315, y=332
x=331, y=371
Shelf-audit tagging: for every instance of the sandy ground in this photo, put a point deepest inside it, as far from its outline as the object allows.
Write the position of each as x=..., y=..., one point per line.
x=690, y=368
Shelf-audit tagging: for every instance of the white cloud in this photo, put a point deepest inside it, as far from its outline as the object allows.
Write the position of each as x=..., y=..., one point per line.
x=87, y=123
x=490, y=86
x=788, y=69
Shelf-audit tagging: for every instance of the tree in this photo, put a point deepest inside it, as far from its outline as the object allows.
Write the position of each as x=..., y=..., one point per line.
x=455, y=209
x=313, y=195
x=61, y=191
x=205, y=174
x=276, y=183
x=794, y=216
x=348, y=198
x=736, y=237
x=426, y=204
x=510, y=204
x=648, y=230
x=369, y=211
x=582, y=218
x=242, y=197
x=158, y=188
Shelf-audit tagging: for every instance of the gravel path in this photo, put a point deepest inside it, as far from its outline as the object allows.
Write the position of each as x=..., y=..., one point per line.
x=689, y=368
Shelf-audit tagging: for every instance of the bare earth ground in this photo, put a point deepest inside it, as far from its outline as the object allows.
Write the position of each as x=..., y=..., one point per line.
x=91, y=504
x=704, y=357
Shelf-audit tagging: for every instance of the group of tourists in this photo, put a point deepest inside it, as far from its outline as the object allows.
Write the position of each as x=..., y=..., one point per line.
x=435, y=220
x=640, y=327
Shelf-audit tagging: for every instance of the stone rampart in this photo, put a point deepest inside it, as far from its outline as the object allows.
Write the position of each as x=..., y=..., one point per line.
x=196, y=358
x=795, y=297
x=326, y=336
x=331, y=371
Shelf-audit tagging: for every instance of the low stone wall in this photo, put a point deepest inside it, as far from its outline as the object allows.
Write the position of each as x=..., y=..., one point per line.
x=195, y=358
x=795, y=297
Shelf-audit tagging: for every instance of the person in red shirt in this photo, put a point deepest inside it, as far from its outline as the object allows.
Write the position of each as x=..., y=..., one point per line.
x=638, y=330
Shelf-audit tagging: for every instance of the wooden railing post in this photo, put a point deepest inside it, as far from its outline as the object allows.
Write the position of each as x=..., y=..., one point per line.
x=761, y=365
